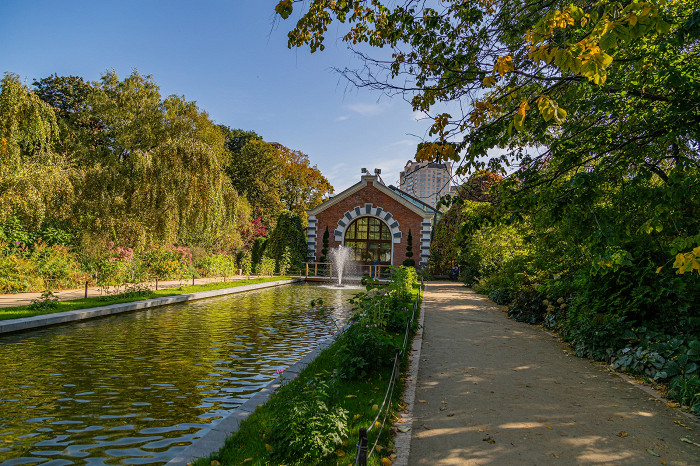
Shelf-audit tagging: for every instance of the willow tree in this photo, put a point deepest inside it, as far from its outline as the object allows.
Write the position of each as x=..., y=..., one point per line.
x=34, y=180
x=150, y=170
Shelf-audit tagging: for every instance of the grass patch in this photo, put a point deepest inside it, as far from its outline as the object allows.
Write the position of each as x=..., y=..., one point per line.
x=98, y=301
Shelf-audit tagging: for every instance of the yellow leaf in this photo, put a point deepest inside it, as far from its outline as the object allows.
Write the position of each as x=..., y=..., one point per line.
x=351, y=396
x=215, y=463
x=503, y=65
x=340, y=453
x=524, y=106
x=386, y=462
x=549, y=427
x=248, y=460
x=268, y=447
x=377, y=424
x=659, y=269
x=375, y=407
x=489, y=81
x=355, y=417
x=622, y=434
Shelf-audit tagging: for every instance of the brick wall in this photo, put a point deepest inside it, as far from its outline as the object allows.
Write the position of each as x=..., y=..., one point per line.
x=405, y=217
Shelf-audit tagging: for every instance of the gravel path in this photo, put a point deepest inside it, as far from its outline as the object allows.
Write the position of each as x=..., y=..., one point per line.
x=492, y=391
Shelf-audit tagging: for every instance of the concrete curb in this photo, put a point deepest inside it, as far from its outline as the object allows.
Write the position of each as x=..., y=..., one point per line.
x=214, y=439
x=31, y=323
x=402, y=440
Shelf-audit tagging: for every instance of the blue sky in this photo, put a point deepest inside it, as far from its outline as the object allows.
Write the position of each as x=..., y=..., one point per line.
x=228, y=57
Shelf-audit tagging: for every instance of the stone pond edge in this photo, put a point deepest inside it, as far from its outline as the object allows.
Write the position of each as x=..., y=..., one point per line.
x=45, y=320
x=214, y=439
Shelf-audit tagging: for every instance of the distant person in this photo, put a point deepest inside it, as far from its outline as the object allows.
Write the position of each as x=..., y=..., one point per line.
x=454, y=273
x=373, y=268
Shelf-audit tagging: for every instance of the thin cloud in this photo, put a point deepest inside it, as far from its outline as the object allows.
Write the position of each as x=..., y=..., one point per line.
x=342, y=118
x=368, y=109
x=404, y=143
x=419, y=115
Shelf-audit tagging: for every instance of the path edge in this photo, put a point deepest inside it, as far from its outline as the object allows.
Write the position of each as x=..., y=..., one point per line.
x=402, y=440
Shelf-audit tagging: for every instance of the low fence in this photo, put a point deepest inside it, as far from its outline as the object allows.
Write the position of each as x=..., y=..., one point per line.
x=326, y=270
x=363, y=442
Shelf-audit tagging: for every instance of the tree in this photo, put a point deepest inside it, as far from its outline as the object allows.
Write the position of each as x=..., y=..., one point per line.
x=409, y=261
x=600, y=92
x=303, y=186
x=326, y=243
x=82, y=136
x=287, y=239
x=620, y=76
x=256, y=171
x=34, y=180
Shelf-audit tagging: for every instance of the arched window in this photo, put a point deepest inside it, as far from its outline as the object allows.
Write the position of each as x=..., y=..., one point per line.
x=370, y=238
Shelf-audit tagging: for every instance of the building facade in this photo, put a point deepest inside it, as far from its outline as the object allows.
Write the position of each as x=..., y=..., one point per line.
x=427, y=181
x=374, y=220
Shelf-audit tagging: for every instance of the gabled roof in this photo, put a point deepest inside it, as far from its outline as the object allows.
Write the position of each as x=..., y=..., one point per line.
x=424, y=210
x=422, y=205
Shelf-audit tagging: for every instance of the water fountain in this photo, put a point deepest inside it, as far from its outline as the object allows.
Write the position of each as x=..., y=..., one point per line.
x=341, y=258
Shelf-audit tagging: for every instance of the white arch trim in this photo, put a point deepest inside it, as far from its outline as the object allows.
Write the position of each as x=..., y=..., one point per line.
x=368, y=211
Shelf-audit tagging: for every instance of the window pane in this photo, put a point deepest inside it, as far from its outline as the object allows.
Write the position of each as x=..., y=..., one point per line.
x=385, y=252
x=386, y=233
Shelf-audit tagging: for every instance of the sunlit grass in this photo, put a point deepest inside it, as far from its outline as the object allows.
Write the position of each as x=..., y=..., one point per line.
x=85, y=303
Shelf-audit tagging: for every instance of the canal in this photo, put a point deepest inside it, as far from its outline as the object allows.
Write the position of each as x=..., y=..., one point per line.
x=137, y=388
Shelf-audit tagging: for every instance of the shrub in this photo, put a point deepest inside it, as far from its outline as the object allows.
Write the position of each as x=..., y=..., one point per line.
x=365, y=348
x=18, y=275
x=266, y=266
x=56, y=265
x=47, y=302
x=528, y=307
x=686, y=389
x=501, y=296
x=307, y=426
x=217, y=265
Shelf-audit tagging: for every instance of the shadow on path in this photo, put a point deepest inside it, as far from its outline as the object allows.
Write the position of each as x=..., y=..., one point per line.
x=492, y=391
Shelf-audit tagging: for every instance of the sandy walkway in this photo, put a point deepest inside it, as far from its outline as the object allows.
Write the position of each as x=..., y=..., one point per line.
x=499, y=392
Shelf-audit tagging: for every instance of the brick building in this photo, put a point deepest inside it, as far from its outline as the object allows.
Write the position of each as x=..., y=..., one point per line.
x=374, y=220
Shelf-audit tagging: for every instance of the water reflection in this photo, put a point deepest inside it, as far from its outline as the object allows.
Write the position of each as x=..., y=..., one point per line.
x=138, y=388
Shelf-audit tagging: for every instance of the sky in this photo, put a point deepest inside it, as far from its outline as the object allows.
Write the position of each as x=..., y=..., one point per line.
x=231, y=57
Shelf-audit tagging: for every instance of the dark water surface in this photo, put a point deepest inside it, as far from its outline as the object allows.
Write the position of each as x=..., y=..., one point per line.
x=137, y=388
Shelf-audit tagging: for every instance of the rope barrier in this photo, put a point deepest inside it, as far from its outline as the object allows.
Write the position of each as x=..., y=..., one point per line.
x=362, y=454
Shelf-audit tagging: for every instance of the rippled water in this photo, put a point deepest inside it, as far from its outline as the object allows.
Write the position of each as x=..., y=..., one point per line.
x=138, y=388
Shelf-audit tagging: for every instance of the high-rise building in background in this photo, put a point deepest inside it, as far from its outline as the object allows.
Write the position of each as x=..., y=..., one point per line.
x=427, y=181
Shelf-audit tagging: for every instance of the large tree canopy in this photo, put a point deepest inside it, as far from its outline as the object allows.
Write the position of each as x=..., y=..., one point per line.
x=575, y=95
x=618, y=76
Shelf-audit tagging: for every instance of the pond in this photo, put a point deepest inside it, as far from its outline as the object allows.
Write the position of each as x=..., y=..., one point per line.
x=137, y=388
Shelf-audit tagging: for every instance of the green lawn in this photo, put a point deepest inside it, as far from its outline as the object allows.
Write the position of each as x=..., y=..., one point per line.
x=84, y=303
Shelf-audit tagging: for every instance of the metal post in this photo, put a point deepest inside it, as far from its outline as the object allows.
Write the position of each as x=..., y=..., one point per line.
x=397, y=376
x=192, y=279
x=362, y=448
x=156, y=284
x=86, y=289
